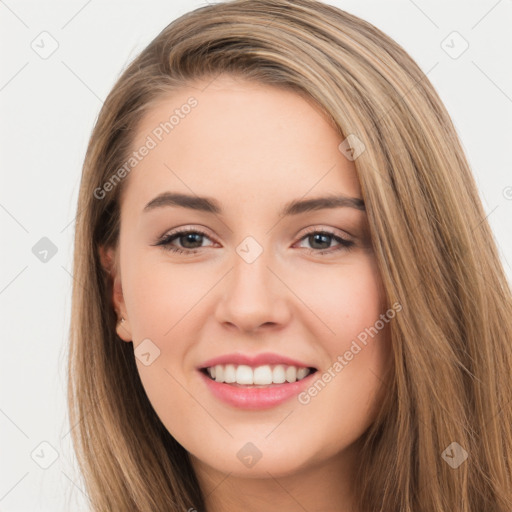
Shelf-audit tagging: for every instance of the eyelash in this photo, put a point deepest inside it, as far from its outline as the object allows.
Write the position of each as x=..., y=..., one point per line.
x=165, y=241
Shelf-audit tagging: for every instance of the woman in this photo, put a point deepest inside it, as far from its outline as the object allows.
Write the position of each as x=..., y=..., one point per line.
x=260, y=371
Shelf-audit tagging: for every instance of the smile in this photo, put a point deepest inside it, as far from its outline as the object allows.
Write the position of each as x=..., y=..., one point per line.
x=258, y=388
x=260, y=376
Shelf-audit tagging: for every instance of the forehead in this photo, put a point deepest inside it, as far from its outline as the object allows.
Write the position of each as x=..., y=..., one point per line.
x=240, y=141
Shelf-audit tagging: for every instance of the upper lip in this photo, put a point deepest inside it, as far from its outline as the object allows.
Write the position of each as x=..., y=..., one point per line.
x=266, y=358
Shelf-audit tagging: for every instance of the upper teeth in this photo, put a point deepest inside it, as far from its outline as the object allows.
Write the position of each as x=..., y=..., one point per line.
x=260, y=375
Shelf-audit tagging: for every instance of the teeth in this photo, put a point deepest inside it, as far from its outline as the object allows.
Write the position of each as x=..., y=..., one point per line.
x=244, y=375
x=278, y=374
x=229, y=373
x=263, y=375
x=259, y=376
x=291, y=374
x=301, y=373
x=219, y=373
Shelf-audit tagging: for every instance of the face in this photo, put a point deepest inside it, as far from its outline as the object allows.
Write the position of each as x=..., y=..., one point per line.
x=247, y=280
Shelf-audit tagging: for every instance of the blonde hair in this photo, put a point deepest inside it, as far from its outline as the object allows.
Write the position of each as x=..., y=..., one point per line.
x=434, y=247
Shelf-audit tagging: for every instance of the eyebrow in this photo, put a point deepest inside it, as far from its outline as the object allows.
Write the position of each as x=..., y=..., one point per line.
x=296, y=207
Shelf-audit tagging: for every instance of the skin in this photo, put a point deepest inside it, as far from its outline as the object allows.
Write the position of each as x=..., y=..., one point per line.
x=253, y=148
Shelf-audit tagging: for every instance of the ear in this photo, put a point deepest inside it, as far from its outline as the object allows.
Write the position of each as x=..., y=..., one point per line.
x=110, y=263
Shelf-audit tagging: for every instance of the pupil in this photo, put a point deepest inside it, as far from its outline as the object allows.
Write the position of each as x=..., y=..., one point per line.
x=324, y=236
x=189, y=237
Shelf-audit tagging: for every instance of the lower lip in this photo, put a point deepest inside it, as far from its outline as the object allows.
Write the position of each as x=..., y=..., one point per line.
x=256, y=398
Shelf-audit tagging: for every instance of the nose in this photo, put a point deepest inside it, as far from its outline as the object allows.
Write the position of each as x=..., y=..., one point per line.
x=253, y=296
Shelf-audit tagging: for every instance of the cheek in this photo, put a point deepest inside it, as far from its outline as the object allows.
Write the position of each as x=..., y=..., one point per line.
x=352, y=326
x=161, y=297
x=342, y=402
x=343, y=300
x=162, y=302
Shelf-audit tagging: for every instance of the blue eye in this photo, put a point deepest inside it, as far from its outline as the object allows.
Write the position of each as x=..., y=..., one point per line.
x=196, y=236
x=323, y=237
x=188, y=236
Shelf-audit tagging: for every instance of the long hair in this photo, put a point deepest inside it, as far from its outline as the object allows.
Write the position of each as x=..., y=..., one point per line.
x=450, y=391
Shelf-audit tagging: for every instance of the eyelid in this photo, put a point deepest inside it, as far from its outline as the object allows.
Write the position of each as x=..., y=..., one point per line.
x=187, y=228
x=333, y=231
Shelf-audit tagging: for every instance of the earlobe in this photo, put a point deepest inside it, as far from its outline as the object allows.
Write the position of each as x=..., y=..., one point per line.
x=123, y=329
x=123, y=326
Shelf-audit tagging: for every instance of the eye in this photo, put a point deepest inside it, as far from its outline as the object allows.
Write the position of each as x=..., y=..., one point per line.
x=324, y=237
x=191, y=241
x=190, y=237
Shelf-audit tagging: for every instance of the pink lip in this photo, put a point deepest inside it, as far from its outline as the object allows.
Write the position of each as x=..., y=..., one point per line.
x=256, y=398
x=258, y=360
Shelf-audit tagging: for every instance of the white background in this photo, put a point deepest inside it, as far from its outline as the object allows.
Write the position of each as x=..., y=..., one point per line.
x=48, y=110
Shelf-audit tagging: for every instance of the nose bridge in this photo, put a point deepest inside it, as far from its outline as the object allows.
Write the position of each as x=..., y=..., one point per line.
x=252, y=294
x=251, y=275
x=251, y=265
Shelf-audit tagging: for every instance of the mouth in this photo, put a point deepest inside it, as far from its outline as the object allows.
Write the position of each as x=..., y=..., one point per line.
x=256, y=388
x=264, y=376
